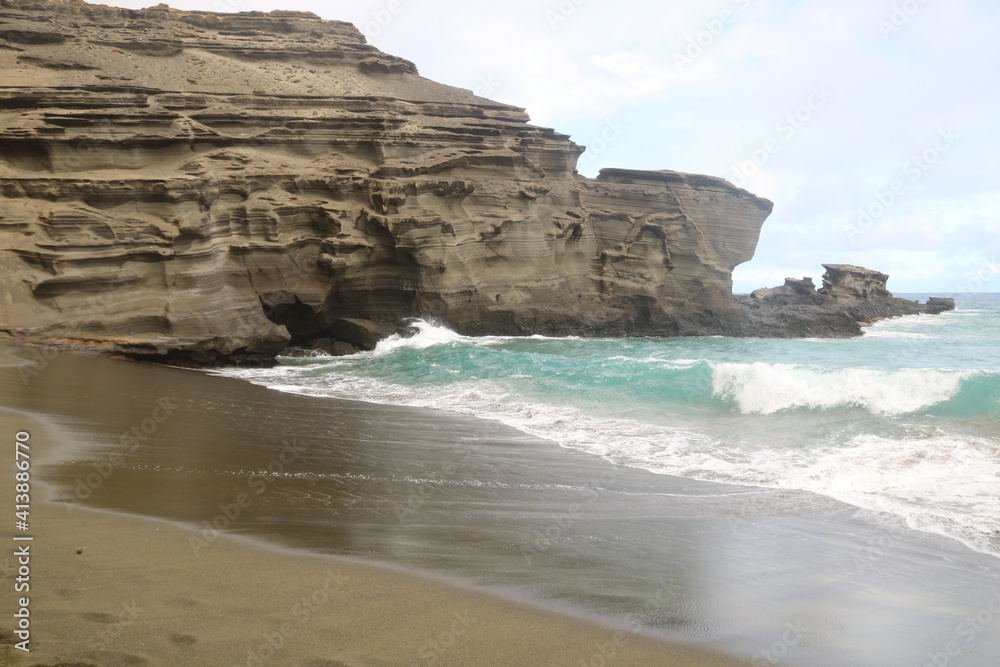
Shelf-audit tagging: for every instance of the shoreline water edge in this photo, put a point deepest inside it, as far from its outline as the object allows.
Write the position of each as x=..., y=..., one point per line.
x=765, y=575
x=116, y=587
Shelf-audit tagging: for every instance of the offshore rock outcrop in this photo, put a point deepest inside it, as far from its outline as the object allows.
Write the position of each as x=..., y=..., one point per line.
x=851, y=297
x=205, y=187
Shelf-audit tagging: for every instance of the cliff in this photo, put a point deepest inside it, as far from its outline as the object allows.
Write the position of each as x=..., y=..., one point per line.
x=171, y=179
x=205, y=187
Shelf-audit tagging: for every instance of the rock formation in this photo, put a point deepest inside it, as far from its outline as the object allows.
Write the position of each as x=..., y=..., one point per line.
x=205, y=187
x=851, y=297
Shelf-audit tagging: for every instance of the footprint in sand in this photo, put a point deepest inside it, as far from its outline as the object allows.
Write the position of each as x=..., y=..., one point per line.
x=182, y=602
x=186, y=641
x=99, y=617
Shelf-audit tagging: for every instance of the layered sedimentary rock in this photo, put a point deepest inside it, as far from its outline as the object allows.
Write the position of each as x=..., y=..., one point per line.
x=222, y=184
x=217, y=186
x=851, y=297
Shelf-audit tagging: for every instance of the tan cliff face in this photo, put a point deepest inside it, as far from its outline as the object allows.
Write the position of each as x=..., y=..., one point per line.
x=169, y=180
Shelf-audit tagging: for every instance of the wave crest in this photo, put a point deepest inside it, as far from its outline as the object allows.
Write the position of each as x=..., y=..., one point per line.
x=764, y=388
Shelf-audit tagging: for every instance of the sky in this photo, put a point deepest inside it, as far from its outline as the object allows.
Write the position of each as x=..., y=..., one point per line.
x=871, y=124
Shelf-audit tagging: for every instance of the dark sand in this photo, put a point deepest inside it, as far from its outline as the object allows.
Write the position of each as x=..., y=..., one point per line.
x=139, y=594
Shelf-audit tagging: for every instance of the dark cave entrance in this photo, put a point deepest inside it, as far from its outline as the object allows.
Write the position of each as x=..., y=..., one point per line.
x=302, y=321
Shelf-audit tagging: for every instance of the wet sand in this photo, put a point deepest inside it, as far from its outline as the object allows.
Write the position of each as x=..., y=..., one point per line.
x=113, y=589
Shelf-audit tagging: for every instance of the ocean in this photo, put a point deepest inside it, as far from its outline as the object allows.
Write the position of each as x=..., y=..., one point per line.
x=804, y=501
x=794, y=502
x=903, y=420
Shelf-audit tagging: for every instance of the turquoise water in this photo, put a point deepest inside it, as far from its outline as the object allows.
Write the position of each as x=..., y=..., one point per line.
x=904, y=420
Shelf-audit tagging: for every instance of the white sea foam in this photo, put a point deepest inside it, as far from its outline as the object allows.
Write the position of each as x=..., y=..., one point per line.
x=764, y=388
x=915, y=321
x=660, y=361
x=940, y=483
x=428, y=335
x=898, y=334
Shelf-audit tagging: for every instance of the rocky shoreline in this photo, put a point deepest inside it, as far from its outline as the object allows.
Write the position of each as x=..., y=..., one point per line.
x=204, y=189
x=851, y=297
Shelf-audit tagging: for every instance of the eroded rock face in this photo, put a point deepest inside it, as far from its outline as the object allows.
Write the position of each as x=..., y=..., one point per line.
x=846, y=282
x=216, y=185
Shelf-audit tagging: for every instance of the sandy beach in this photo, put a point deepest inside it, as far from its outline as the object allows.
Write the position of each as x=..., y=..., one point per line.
x=112, y=589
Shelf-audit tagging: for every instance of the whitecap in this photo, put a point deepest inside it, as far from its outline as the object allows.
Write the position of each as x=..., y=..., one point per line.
x=764, y=388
